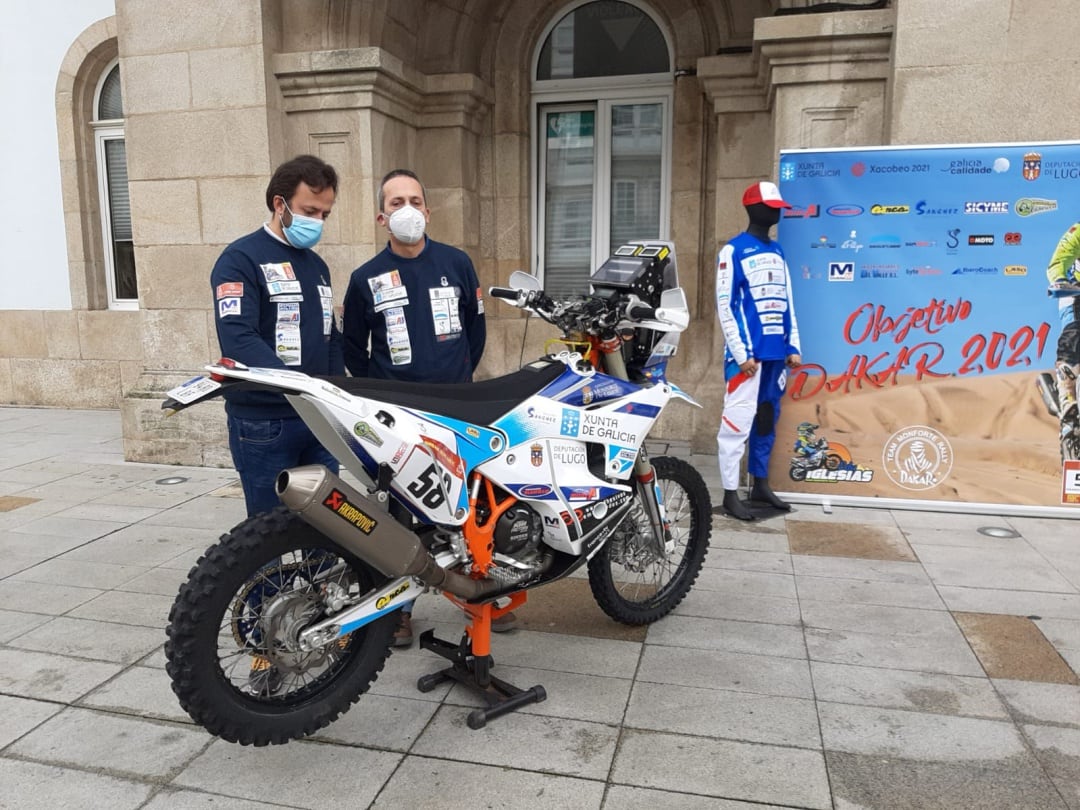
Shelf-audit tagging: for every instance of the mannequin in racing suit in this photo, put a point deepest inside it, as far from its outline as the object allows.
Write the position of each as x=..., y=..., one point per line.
x=761, y=337
x=1066, y=368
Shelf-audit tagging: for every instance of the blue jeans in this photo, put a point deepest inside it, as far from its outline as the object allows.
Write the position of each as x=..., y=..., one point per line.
x=261, y=448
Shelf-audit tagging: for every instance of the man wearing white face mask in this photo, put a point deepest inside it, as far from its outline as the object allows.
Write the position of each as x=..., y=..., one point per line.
x=414, y=312
x=418, y=302
x=273, y=307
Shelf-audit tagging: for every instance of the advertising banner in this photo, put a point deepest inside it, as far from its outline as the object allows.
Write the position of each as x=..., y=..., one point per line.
x=919, y=282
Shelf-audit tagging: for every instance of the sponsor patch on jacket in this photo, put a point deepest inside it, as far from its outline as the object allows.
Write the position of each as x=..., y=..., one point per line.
x=228, y=306
x=231, y=289
x=279, y=287
x=278, y=272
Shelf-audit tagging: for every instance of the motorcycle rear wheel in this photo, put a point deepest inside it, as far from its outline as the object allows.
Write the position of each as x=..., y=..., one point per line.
x=238, y=615
x=626, y=580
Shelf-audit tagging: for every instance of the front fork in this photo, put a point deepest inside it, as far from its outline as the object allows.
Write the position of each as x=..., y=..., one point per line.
x=648, y=488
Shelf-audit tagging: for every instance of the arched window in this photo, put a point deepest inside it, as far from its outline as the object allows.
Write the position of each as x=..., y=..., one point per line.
x=108, y=126
x=602, y=93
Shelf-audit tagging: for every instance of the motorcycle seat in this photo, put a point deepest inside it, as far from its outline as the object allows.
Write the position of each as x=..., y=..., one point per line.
x=480, y=402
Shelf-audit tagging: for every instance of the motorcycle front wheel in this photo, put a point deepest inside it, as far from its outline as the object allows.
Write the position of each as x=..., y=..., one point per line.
x=1070, y=443
x=630, y=580
x=232, y=650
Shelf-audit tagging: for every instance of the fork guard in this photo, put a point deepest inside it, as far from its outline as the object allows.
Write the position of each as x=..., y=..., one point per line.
x=358, y=524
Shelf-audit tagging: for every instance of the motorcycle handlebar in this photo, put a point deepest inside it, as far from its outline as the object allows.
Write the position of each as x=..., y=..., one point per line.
x=503, y=292
x=640, y=311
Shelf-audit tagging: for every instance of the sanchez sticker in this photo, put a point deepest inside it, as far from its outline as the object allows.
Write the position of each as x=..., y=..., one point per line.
x=278, y=272
x=232, y=289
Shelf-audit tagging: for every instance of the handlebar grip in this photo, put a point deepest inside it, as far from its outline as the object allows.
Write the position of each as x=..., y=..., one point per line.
x=640, y=312
x=503, y=292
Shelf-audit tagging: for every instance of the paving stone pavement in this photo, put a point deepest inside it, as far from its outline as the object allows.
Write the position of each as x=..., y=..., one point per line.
x=824, y=680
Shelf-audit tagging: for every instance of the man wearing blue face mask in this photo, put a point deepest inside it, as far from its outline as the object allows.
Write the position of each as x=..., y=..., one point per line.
x=414, y=312
x=274, y=308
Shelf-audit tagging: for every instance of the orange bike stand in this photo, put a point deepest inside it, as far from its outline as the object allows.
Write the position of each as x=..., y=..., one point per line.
x=471, y=664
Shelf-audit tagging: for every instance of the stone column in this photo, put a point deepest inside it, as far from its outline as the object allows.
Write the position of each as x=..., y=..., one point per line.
x=199, y=156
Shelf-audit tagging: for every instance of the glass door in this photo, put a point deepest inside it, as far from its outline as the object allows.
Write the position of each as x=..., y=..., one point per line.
x=568, y=180
x=602, y=183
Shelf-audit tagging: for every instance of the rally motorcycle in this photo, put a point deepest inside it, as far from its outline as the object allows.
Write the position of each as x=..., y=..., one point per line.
x=819, y=459
x=812, y=453
x=1047, y=384
x=479, y=491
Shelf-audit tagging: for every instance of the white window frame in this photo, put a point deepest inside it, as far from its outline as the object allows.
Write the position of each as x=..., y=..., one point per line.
x=601, y=93
x=105, y=131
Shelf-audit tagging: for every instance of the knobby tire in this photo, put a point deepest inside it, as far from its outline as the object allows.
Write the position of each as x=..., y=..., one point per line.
x=195, y=625
x=689, y=509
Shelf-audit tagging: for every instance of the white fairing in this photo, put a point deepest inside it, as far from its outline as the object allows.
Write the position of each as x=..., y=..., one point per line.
x=569, y=453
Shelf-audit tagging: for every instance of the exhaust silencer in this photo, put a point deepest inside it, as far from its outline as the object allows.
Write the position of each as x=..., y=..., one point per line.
x=357, y=523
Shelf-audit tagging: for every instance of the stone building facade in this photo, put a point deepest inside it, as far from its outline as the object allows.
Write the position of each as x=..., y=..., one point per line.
x=214, y=100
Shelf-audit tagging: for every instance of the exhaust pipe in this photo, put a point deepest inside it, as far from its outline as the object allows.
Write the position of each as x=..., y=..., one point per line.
x=356, y=523
x=1047, y=386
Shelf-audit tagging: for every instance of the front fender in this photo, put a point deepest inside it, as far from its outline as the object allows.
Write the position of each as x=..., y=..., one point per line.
x=678, y=393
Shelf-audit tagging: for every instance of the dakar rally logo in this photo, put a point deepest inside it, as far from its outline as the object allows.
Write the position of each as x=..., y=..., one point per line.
x=917, y=457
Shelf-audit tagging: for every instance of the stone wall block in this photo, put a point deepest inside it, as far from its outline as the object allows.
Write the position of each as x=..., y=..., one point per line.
x=77, y=273
x=152, y=27
x=157, y=83
x=214, y=143
x=66, y=383
x=188, y=437
x=450, y=157
x=62, y=333
x=688, y=158
x=167, y=212
x=24, y=333
x=175, y=338
x=231, y=207
x=1032, y=25
x=447, y=215
x=130, y=371
x=342, y=260
x=178, y=276
x=968, y=109
x=511, y=225
x=110, y=335
x=959, y=32
x=393, y=145
x=7, y=387
x=228, y=77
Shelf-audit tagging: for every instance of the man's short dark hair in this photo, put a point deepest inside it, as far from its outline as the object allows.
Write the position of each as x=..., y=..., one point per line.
x=398, y=173
x=313, y=171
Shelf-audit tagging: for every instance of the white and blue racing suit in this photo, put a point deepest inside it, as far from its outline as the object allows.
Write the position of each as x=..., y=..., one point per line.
x=757, y=316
